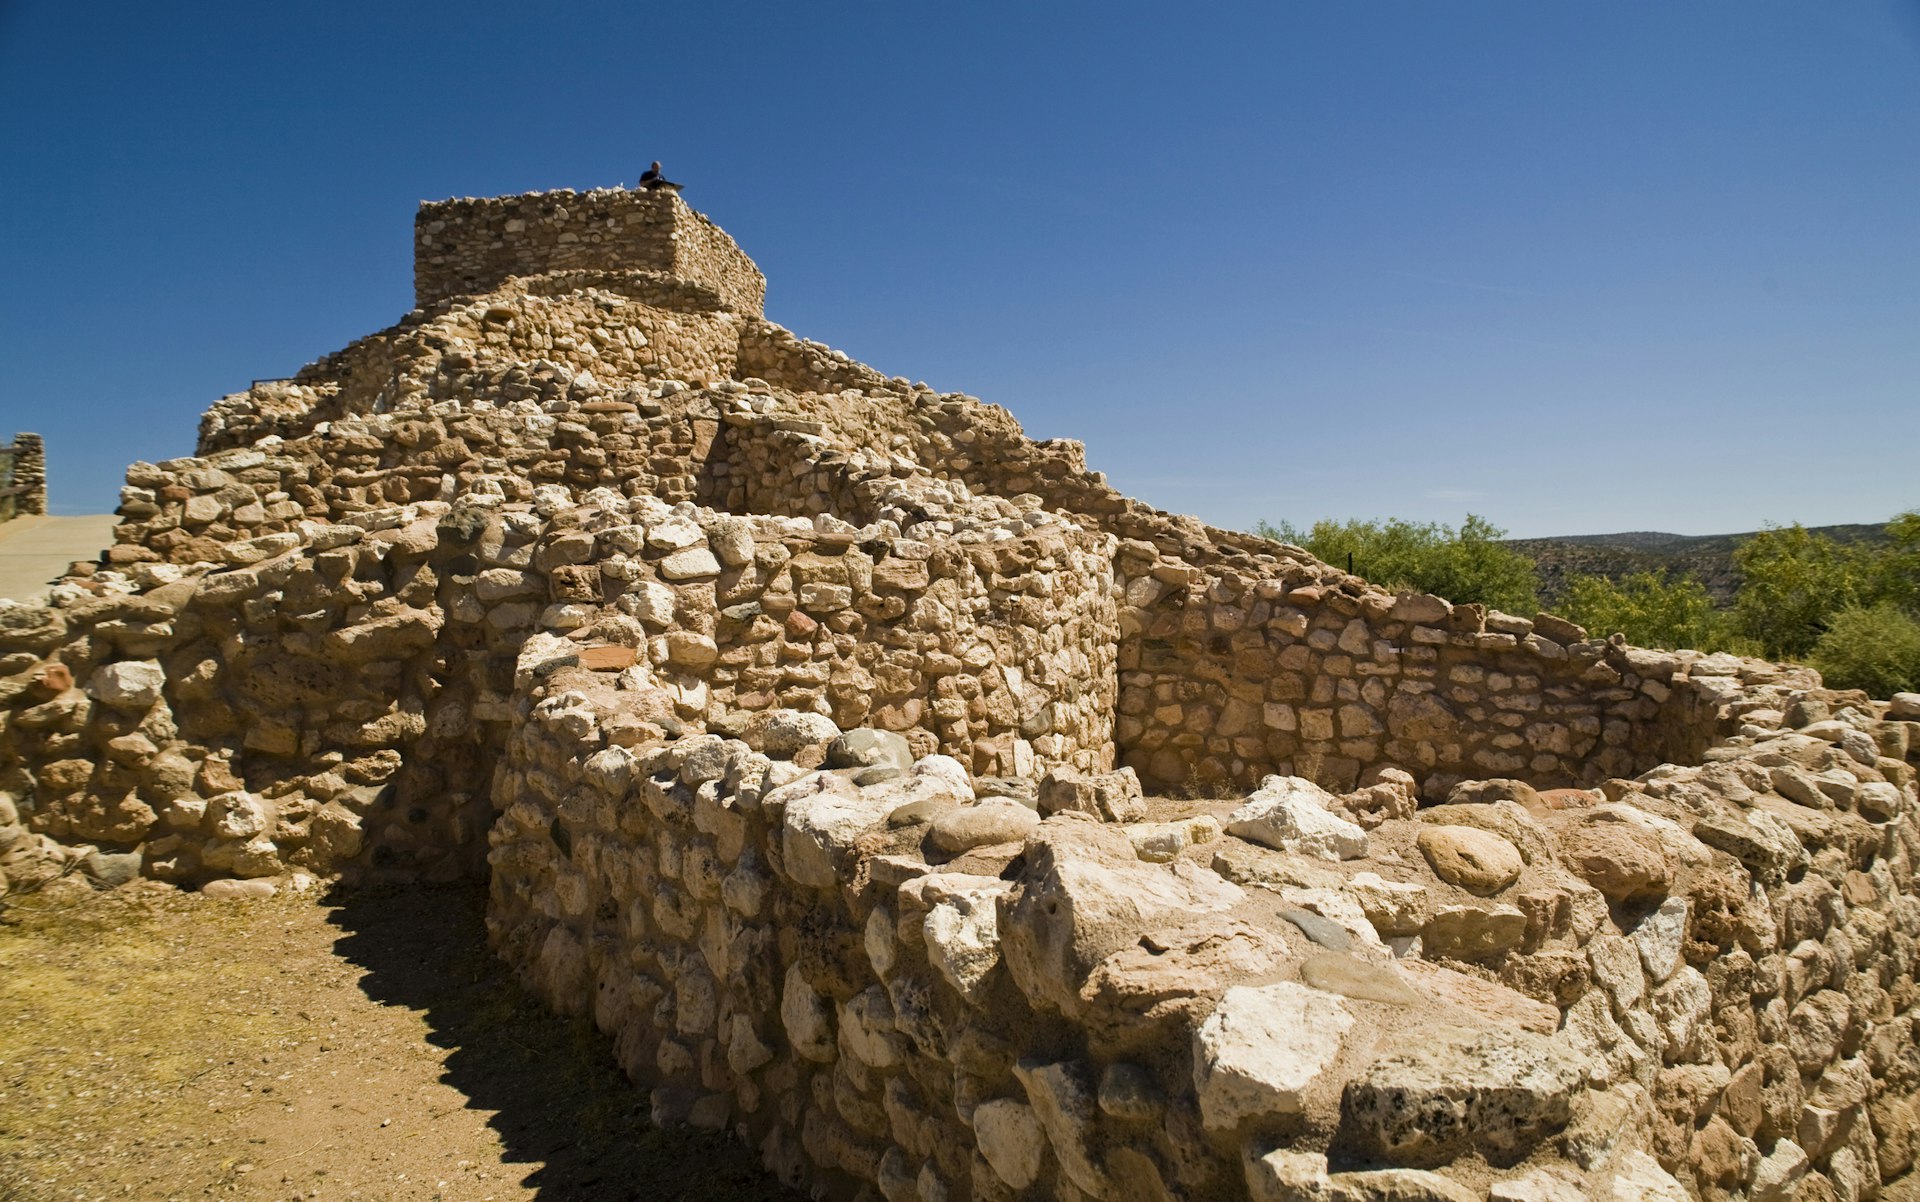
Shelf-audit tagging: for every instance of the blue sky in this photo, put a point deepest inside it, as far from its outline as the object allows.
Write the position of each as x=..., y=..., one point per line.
x=1575, y=267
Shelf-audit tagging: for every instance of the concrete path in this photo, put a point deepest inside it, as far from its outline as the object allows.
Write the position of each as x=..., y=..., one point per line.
x=34, y=551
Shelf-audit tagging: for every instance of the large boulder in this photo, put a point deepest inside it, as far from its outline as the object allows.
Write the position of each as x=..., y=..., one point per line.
x=1291, y=813
x=1082, y=896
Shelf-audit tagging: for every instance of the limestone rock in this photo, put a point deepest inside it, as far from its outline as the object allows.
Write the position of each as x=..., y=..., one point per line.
x=824, y=816
x=1262, y=1049
x=111, y=870
x=238, y=890
x=1160, y=842
x=1470, y=858
x=1114, y=796
x=1176, y=971
x=1290, y=813
x=1081, y=896
x=962, y=930
x=783, y=732
x=1497, y=1092
x=1286, y=1175
x=973, y=826
x=1011, y=1140
x=131, y=685
x=1064, y=1101
x=1639, y=1176
x=1660, y=937
x=1540, y=1185
x=807, y=1017
x=692, y=563
x=1473, y=932
x=1622, y=862
x=1332, y=972
x=865, y=748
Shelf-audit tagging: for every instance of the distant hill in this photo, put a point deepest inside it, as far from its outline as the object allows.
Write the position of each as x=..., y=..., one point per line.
x=1617, y=556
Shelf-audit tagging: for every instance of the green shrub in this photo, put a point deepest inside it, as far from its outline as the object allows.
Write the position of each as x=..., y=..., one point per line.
x=1465, y=565
x=1652, y=611
x=1875, y=648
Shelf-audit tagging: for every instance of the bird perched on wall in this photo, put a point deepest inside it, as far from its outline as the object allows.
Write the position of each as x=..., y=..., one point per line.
x=651, y=179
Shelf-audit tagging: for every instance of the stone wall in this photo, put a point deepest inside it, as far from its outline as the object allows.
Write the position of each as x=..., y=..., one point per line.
x=470, y=246
x=343, y=680
x=27, y=470
x=800, y=715
x=904, y=979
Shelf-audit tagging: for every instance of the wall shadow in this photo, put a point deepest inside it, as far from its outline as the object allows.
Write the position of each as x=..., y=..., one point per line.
x=563, y=1110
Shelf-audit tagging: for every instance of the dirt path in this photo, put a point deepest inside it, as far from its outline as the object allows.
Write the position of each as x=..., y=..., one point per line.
x=35, y=550
x=168, y=1046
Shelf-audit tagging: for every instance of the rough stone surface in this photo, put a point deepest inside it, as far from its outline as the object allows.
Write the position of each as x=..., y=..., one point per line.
x=1498, y=1093
x=1472, y=859
x=1262, y=1049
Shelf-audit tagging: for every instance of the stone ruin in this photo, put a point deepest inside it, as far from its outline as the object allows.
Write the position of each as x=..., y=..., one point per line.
x=943, y=824
x=23, y=477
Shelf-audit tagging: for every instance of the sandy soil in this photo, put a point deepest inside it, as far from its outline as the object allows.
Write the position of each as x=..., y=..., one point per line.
x=167, y=1046
x=35, y=550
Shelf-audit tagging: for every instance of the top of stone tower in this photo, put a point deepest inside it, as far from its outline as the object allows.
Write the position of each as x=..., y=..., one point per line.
x=470, y=245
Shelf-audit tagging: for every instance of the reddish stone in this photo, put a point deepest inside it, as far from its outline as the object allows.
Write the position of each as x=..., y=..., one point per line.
x=800, y=626
x=55, y=678
x=606, y=659
x=1568, y=799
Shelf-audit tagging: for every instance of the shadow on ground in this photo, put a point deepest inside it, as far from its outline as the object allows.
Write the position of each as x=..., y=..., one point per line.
x=563, y=1109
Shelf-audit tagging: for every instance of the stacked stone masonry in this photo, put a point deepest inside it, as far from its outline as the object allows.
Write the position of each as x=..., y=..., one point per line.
x=945, y=825
x=23, y=482
x=471, y=246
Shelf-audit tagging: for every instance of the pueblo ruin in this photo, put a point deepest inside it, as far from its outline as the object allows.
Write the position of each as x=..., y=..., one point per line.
x=937, y=821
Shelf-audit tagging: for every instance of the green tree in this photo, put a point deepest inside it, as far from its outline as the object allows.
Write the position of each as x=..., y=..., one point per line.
x=1792, y=581
x=1876, y=648
x=1465, y=565
x=1651, y=610
x=1897, y=578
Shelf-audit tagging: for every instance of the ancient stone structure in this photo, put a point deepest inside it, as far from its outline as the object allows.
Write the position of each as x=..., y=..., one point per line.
x=23, y=477
x=940, y=822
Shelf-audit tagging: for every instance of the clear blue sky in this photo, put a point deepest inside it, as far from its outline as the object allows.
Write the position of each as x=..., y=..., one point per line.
x=1576, y=267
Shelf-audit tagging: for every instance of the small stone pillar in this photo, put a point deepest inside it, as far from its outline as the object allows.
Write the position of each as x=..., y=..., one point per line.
x=30, y=473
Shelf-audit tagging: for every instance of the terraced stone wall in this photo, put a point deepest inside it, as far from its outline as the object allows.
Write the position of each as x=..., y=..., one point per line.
x=1698, y=984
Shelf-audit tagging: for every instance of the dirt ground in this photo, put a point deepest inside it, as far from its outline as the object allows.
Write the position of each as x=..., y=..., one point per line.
x=36, y=549
x=168, y=1046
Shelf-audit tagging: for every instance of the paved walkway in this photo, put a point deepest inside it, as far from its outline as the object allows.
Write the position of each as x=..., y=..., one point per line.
x=35, y=550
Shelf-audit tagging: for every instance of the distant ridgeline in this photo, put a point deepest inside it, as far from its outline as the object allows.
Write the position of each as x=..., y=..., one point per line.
x=1709, y=557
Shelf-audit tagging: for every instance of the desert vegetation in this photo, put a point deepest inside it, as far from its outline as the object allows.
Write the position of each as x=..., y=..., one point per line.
x=1850, y=608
